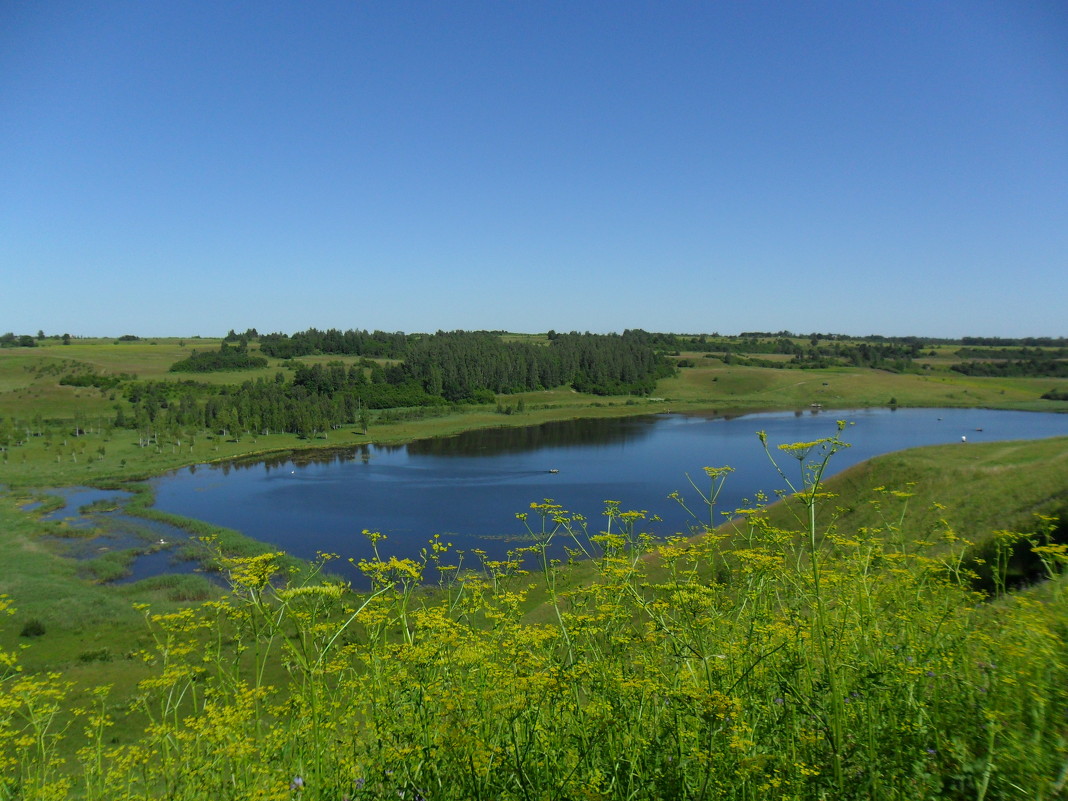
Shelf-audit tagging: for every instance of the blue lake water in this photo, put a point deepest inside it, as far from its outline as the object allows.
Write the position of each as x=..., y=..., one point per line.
x=469, y=488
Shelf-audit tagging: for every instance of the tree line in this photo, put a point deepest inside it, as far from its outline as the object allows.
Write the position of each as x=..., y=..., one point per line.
x=377, y=344
x=225, y=358
x=1036, y=367
x=437, y=370
x=461, y=366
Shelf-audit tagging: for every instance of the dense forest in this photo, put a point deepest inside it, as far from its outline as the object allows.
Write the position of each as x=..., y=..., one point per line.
x=377, y=344
x=465, y=365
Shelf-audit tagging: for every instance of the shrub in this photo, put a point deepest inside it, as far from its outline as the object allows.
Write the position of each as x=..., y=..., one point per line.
x=32, y=628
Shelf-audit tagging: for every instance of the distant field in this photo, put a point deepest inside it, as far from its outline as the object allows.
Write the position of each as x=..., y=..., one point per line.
x=844, y=387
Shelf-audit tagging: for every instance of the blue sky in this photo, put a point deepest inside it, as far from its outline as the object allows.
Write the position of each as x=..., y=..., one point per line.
x=172, y=169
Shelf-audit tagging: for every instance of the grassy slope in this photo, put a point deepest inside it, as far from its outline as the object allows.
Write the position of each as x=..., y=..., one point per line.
x=845, y=387
x=976, y=489
x=980, y=488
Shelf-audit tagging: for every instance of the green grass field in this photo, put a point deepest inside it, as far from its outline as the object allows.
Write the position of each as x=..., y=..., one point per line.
x=843, y=387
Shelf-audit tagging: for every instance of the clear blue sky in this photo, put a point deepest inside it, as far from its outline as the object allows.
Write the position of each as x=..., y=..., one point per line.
x=180, y=168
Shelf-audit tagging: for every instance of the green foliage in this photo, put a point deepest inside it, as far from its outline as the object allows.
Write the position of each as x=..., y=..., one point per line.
x=32, y=628
x=446, y=368
x=1045, y=366
x=225, y=358
x=1026, y=342
x=10, y=340
x=111, y=565
x=461, y=364
x=1012, y=353
x=782, y=663
x=93, y=379
x=378, y=344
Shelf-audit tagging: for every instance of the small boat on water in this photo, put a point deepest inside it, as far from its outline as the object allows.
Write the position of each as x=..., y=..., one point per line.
x=553, y=470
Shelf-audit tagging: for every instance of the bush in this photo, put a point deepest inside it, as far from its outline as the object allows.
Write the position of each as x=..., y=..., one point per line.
x=32, y=628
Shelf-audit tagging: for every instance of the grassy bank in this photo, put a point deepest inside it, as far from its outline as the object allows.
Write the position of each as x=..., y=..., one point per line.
x=842, y=659
x=936, y=498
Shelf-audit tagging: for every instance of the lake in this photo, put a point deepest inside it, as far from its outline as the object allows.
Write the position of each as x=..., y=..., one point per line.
x=468, y=488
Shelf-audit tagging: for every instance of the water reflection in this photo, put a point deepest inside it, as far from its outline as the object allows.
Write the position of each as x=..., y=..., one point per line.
x=482, y=442
x=561, y=434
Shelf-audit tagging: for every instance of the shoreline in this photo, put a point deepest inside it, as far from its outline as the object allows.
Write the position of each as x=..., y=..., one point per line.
x=451, y=425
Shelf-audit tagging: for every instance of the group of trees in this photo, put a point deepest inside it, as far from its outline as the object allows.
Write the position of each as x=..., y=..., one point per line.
x=225, y=358
x=469, y=365
x=439, y=369
x=897, y=356
x=1013, y=353
x=1034, y=356
x=377, y=344
x=1027, y=342
x=317, y=399
x=1037, y=367
x=10, y=340
x=460, y=365
x=93, y=379
x=822, y=350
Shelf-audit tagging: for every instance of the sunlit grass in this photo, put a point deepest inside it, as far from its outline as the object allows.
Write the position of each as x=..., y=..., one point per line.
x=732, y=387
x=794, y=655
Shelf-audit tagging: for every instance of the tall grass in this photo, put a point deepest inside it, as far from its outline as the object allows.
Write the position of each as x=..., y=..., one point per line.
x=814, y=664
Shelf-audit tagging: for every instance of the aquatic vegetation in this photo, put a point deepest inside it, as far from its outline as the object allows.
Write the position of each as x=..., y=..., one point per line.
x=742, y=662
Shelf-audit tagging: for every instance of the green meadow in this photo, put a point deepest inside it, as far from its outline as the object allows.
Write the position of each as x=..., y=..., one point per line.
x=896, y=632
